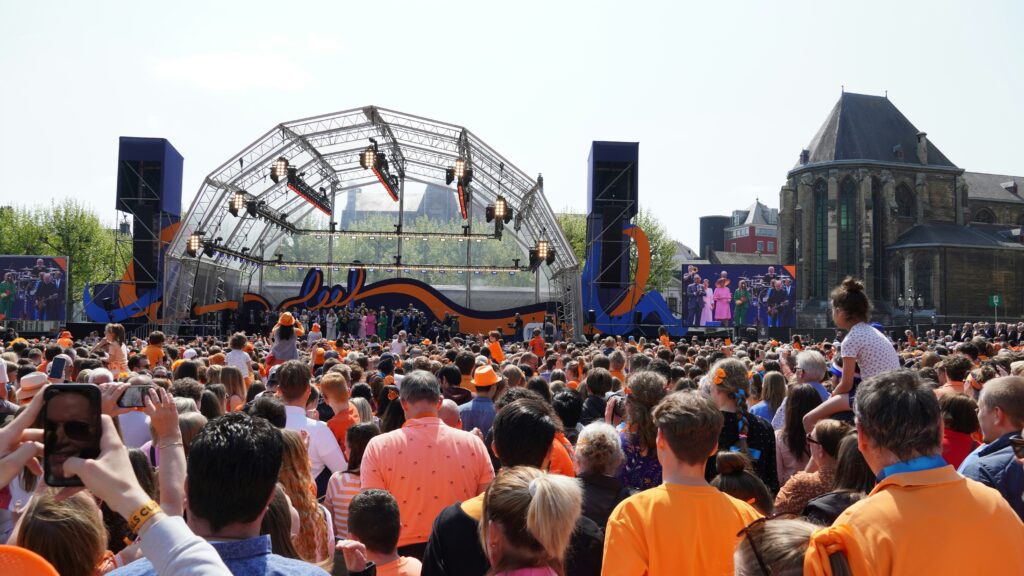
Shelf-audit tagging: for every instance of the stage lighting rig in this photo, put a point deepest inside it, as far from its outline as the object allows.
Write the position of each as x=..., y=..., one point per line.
x=500, y=213
x=319, y=199
x=542, y=253
x=462, y=174
x=237, y=202
x=372, y=159
x=279, y=169
x=194, y=244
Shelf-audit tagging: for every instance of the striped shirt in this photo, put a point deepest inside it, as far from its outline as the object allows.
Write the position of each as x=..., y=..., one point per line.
x=342, y=487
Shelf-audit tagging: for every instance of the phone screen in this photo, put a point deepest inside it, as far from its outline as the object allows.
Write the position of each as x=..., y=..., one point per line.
x=57, y=366
x=71, y=427
x=133, y=396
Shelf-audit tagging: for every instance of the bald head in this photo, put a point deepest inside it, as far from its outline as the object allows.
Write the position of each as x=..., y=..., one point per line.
x=449, y=414
x=1006, y=394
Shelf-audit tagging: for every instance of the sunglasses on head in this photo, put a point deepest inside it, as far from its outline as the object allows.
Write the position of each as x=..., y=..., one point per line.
x=752, y=533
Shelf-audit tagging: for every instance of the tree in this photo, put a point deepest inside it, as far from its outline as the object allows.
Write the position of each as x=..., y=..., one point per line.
x=65, y=229
x=663, y=248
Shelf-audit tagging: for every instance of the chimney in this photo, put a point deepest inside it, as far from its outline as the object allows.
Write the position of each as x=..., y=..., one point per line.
x=922, y=148
x=805, y=156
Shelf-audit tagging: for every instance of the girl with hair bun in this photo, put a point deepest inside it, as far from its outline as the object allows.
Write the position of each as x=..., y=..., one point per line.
x=742, y=432
x=863, y=348
x=527, y=521
x=736, y=479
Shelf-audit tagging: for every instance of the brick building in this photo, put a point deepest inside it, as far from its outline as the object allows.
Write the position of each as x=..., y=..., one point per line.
x=753, y=231
x=873, y=198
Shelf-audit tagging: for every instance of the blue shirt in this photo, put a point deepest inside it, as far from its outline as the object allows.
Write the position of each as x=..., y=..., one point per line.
x=996, y=466
x=477, y=413
x=763, y=410
x=251, y=557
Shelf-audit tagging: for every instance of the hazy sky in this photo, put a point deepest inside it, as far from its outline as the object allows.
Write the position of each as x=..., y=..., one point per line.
x=721, y=95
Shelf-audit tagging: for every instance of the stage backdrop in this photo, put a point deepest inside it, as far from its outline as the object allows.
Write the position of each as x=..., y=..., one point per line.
x=765, y=304
x=33, y=287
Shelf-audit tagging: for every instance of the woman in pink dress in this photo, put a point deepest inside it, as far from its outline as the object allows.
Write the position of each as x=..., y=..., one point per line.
x=706, y=315
x=369, y=323
x=723, y=299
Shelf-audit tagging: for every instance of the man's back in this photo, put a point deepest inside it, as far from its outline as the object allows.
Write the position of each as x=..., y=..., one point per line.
x=997, y=467
x=243, y=558
x=675, y=529
x=906, y=516
x=427, y=466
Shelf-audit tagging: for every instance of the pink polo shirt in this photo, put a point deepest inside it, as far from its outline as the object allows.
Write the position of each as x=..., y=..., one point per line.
x=426, y=466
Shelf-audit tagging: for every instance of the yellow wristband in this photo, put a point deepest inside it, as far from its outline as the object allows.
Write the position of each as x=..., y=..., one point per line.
x=142, y=515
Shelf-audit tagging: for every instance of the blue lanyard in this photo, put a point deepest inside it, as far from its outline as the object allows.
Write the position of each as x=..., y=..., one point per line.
x=914, y=465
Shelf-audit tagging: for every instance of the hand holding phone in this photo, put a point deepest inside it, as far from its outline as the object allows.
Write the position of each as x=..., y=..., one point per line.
x=57, y=367
x=134, y=396
x=71, y=429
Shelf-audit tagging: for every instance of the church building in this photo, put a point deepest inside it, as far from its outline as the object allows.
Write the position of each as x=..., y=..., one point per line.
x=872, y=197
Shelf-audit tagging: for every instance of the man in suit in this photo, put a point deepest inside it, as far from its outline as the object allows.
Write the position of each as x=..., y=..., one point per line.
x=789, y=317
x=45, y=295
x=694, y=301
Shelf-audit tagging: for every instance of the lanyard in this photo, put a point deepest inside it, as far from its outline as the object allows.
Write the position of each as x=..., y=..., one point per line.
x=914, y=465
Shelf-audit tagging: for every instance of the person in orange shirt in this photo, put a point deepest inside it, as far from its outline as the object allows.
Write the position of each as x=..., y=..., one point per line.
x=65, y=340
x=918, y=495
x=537, y=344
x=953, y=371
x=617, y=366
x=374, y=523
x=336, y=394
x=494, y=345
x=154, y=350
x=683, y=526
x=425, y=464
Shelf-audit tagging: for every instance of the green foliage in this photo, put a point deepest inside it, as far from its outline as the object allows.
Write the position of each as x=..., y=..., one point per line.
x=380, y=250
x=64, y=229
x=663, y=248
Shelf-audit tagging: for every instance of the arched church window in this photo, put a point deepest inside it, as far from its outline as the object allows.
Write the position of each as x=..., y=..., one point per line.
x=984, y=216
x=906, y=204
x=847, y=219
x=821, y=287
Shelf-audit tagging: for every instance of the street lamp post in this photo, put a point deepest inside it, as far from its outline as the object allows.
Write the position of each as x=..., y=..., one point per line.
x=909, y=305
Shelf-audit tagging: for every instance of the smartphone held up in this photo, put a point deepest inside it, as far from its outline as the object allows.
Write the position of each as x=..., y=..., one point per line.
x=71, y=428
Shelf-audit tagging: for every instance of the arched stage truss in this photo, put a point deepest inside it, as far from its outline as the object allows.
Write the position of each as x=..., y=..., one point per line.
x=325, y=152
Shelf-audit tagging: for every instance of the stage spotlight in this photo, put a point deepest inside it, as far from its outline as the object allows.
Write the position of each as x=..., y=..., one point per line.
x=460, y=169
x=500, y=210
x=236, y=203
x=542, y=249
x=194, y=244
x=279, y=169
x=462, y=175
x=252, y=207
x=368, y=159
x=542, y=253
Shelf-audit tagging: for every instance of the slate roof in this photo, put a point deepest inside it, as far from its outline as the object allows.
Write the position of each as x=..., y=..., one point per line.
x=725, y=257
x=973, y=236
x=864, y=127
x=981, y=186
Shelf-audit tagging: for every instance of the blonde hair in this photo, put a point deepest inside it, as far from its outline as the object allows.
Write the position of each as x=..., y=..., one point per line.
x=364, y=409
x=297, y=480
x=334, y=386
x=189, y=423
x=234, y=383
x=537, y=513
x=214, y=374
x=68, y=534
x=599, y=449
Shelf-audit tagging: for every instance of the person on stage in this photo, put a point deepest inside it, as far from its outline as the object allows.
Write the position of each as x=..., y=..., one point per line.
x=742, y=300
x=8, y=290
x=382, y=324
x=707, y=313
x=694, y=301
x=723, y=300
x=45, y=295
x=369, y=322
x=332, y=325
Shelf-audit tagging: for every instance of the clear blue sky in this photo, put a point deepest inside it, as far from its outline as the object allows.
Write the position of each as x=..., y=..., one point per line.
x=721, y=95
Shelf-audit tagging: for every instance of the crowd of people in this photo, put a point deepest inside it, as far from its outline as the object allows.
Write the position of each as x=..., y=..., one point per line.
x=311, y=448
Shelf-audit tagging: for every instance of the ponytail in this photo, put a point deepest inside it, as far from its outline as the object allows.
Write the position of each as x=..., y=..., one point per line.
x=554, y=507
x=538, y=513
x=732, y=378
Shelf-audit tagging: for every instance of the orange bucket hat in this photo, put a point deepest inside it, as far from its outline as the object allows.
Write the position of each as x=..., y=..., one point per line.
x=286, y=319
x=485, y=376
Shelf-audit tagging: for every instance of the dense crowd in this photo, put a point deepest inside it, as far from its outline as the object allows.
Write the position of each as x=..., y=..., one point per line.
x=307, y=449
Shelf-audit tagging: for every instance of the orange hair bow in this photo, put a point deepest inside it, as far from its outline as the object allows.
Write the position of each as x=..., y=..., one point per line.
x=719, y=376
x=392, y=394
x=627, y=391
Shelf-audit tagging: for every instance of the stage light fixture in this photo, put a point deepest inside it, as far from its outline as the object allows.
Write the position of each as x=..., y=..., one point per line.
x=279, y=169
x=252, y=207
x=460, y=168
x=194, y=244
x=542, y=253
x=236, y=203
x=368, y=158
x=500, y=211
x=542, y=249
x=372, y=159
x=462, y=175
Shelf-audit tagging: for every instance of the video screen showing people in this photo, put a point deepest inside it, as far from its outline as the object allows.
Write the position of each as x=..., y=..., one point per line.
x=735, y=295
x=33, y=288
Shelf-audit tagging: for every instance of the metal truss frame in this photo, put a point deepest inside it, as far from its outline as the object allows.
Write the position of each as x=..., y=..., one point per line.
x=325, y=149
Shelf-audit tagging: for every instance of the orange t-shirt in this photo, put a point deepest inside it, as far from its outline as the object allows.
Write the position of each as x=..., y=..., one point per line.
x=537, y=346
x=427, y=466
x=403, y=566
x=561, y=457
x=154, y=353
x=497, y=354
x=665, y=341
x=65, y=342
x=620, y=374
x=645, y=531
x=895, y=526
x=340, y=424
